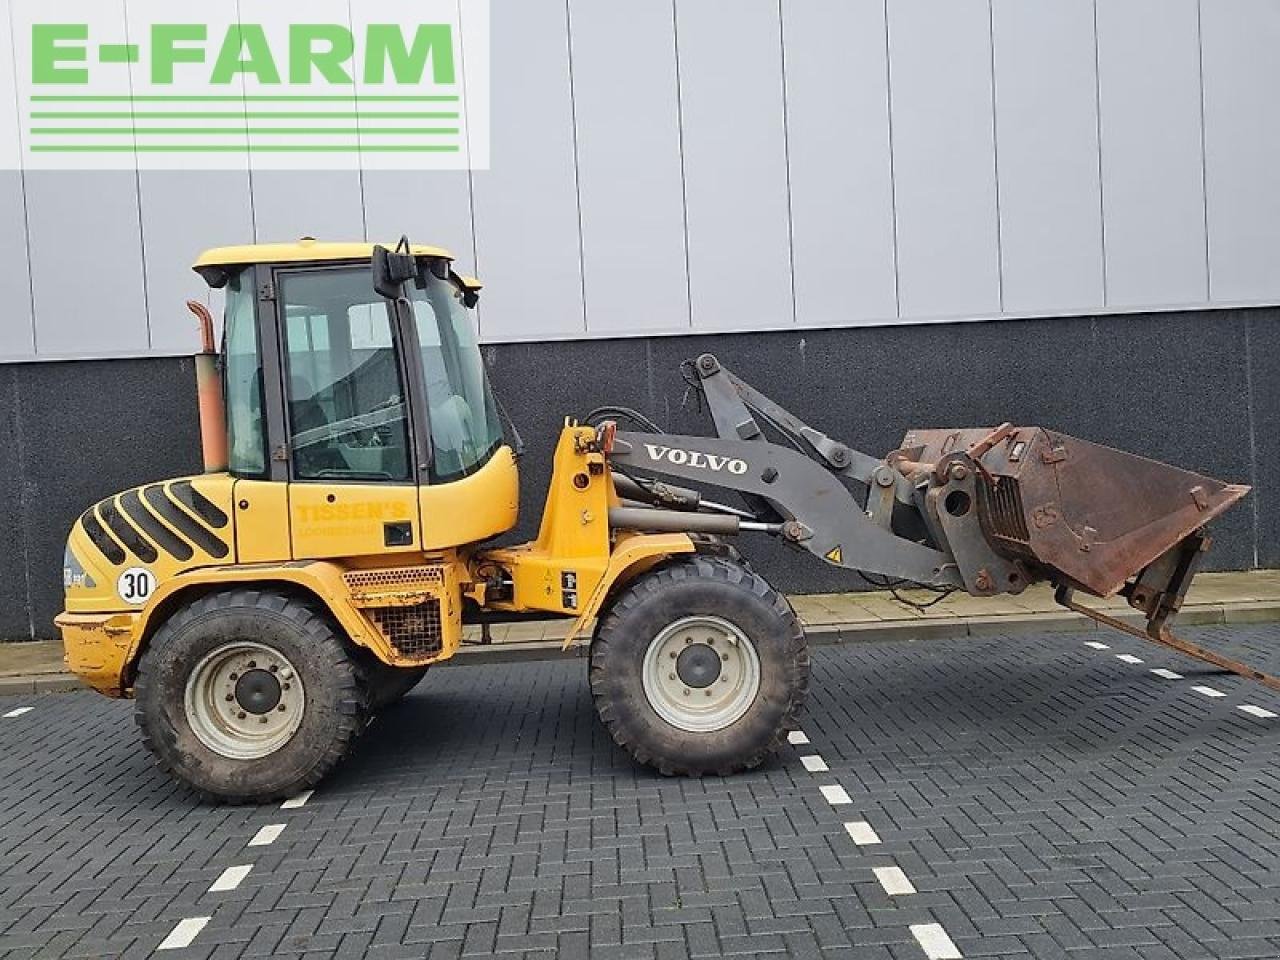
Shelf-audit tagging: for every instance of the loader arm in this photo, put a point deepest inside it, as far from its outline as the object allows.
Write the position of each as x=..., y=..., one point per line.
x=817, y=512
x=986, y=510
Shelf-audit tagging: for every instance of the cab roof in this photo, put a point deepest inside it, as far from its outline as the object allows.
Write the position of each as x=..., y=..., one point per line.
x=306, y=250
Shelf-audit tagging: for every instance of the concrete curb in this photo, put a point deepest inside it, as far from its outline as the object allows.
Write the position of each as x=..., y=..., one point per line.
x=924, y=628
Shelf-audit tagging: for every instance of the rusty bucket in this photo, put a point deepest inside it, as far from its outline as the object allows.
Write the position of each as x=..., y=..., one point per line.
x=1084, y=513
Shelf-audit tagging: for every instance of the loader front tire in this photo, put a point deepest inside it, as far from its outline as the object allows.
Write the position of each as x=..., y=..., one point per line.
x=249, y=696
x=386, y=684
x=699, y=667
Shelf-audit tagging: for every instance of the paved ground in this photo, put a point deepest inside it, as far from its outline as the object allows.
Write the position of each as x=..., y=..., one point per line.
x=1040, y=796
x=1244, y=596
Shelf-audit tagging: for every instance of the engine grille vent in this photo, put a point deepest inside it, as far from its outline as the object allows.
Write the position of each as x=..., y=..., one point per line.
x=415, y=631
x=366, y=580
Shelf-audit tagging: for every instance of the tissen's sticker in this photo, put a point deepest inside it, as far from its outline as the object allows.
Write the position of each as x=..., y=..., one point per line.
x=135, y=585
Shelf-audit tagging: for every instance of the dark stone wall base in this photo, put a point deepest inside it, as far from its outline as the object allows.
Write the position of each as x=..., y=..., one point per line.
x=1198, y=389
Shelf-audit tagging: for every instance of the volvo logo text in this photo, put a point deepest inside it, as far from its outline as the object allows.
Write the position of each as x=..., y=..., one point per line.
x=695, y=458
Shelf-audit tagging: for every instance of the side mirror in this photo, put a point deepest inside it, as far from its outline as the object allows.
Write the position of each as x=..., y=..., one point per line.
x=391, y=271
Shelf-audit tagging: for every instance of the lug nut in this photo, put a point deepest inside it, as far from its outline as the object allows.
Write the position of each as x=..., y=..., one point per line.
x=286, y=686
x=671, y=676
x=673, y=654
x=274, y=668
x=235, y=676
x=263, y=718
x=240, y=715
x=230, y=697
x=281, y=708
x=724, y=657
x=686, y=691
x=253, y=664
x=688, y=640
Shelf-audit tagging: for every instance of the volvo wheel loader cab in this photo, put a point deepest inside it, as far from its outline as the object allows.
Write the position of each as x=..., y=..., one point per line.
x=356, y=468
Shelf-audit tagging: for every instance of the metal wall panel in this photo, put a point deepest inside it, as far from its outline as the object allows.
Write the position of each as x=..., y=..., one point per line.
x=431, y=206
x=17, y=334
x=1152, y=171
x=289, y=204
x=1242, y=147
x=526, y=205
x=1047, y=155
x=735, y=164
x=86, y=263
x=841, y=170
x=626, y=101
x=183, y=214
x=944, y=158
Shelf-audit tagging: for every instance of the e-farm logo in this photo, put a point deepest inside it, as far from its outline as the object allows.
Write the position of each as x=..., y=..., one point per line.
x=282, y=84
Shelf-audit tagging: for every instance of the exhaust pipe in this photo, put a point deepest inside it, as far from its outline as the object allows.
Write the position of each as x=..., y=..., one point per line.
x=213, y=415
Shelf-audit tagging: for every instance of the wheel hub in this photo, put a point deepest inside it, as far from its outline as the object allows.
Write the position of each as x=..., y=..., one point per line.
x=244, y=700
x=698, y=666
x=258, y=691
x=701, y=674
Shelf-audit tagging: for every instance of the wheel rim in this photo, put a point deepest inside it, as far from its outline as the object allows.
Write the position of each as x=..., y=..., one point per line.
x=701, y=674
x=244, y=701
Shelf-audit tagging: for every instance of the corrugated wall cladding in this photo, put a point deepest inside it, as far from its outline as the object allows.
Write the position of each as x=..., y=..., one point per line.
x=676, y=166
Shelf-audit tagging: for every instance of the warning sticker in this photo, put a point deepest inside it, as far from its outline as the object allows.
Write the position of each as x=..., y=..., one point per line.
x=835, y=554
x=136, y=585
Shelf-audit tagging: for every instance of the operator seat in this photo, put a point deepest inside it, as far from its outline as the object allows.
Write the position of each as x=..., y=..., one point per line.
x=306, y=413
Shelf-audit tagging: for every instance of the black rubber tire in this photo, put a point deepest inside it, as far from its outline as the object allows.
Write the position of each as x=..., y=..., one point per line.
x=385, y=684
x=335, y=713
x=713, y=586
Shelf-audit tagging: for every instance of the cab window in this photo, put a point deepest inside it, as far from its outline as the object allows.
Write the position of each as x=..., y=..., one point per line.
x=347, y=410
x=242, y=381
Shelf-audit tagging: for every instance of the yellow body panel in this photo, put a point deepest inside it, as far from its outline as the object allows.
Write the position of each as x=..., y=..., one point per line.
x=262, y=521
x=403, y=605
x=569, y=565
x=302, y=251
x=124, y=547
x=349, y=519
x=472, y=509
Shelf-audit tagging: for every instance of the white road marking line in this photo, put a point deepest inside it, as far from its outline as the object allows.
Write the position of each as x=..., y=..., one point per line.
x=230, y=878
x=1128, y=658
x=797, y=738
x=835, y=795
x=1097, y=645
x=815, y=764
x=1167, y=674
x=935, y=942
x=182, y=935
x=18, y=712
x=1253, y=711
x=895, y=882
x=1208, y=692
x=267, y=835
x=861, y=833
x=293, y=803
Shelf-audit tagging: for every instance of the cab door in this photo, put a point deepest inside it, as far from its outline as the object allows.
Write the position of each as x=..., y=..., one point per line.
x=351, y=450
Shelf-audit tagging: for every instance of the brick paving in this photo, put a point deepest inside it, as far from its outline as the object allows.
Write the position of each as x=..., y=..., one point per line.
x=1044, y=799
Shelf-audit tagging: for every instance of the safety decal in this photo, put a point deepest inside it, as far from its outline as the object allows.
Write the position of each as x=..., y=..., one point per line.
x=835, y=554
x=136, y=585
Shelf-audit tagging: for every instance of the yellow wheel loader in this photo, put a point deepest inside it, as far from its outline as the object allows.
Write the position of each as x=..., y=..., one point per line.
x=357, y=470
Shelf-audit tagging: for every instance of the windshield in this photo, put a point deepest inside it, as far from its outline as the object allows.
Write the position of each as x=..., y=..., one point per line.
x=465, y=429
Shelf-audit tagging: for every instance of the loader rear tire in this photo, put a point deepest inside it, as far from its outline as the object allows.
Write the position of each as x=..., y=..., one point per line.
x=699, y=667
x=249, y=696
